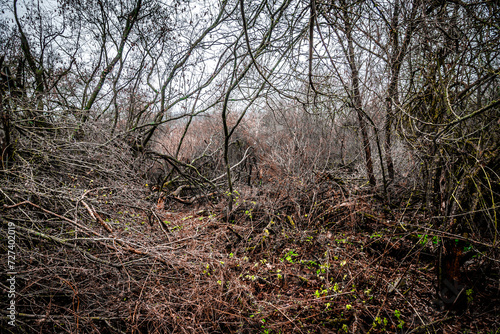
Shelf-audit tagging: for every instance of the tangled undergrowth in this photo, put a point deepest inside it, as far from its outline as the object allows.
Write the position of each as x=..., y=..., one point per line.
x=96, y=253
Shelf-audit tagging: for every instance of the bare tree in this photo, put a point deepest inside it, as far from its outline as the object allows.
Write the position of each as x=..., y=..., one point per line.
x=401, y=22
x=450, y=120
x=343, y=19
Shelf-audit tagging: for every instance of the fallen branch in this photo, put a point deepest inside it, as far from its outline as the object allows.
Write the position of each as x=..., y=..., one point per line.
x=54, y=214
x=65, y=243
x=422, y=328
x=97, y=217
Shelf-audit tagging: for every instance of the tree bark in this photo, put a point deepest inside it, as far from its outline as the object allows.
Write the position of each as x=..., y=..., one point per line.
x=357, y=103
x=37, y=69
x=395, y=59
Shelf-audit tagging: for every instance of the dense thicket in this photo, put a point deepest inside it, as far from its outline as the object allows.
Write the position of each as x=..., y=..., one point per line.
x=161, y=149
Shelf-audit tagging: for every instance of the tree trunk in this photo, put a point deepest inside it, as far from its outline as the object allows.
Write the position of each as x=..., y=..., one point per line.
x=395, y=59
x=389, y=115
x=356, y=101
x=132, y=18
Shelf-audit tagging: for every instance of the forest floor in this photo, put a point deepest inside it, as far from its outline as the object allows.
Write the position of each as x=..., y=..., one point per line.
x=328, y=257
x=326, y=261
